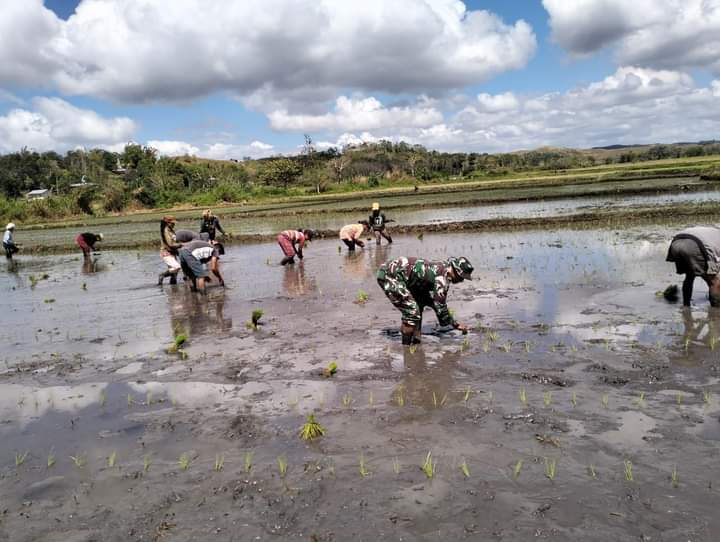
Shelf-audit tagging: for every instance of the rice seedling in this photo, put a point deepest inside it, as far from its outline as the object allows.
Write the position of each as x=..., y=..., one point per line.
x=605, y=399
x=438, y=403
x=420, y=236
x=465, y=469
x=130, y=400
x=706, y=396
x=347, y=400
x=573, y=399
x=591, y=470
x=712, y=343
x=486, y=347
x=527, y=346
x=147, y=461
x=628, y=470
x=84, y=286
x=670, y=293
x=400, y=396
x=112, y=459
x=505, y=347
x=49, y=300
x=412, y=348
x=184, y=461
x=371, y=399
x=330, y=370
x=467, y=394
x=20, y=458
x=679, y=398
x=674, y=477
x=339, y=250
x=428, y=467
x=517, y=468
x=149, y=398
x=311, y=429
x=396, y=465
x=640, y=400
x=550, y=468
x=219, y=462
x=363, y=470
x=103, y=398
x=493, y=336
x=465, y=344
x=51, y=458
x=255, y=319
x=523, y=396
x=248, y=461
x=362, y=297
x=282, y=466
x=78, y=460
x=268, y=261
x=547, y=398
x=33, y=281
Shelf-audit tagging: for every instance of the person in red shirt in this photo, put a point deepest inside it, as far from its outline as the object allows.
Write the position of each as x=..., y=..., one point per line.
x=292, y=243
x=86, y=241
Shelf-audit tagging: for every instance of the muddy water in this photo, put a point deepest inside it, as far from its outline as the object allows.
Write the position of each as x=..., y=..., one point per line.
x=573, y=361
x=412, y=212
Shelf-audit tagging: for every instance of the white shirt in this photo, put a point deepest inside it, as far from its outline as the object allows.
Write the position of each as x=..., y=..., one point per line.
x=8, y=237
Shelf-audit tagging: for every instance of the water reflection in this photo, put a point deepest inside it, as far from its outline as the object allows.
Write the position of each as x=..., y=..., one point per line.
x=295, y=283
x=192, y=314
x=426, y=382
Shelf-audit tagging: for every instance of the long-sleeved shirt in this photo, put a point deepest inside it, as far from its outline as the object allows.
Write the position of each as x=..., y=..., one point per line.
x=377, y=220
x=426, y=280
x=296, y=237
x=8, y=238
x=209, y=225
x=352, y=232
x=90, y=239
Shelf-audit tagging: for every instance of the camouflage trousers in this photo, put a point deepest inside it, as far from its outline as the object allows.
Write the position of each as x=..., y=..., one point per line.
x=399, y=295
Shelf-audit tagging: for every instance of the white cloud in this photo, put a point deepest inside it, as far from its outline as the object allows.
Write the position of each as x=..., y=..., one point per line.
x=673, y=34
x=499, y=102
x=355, y=115
x=264, y=50
x=173, y=148
x=225, y=151
x=54, y=124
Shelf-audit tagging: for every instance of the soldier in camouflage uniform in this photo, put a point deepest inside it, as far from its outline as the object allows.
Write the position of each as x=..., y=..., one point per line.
x=412, y=284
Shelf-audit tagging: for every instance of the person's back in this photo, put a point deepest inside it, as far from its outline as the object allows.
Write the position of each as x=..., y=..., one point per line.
x=185, y=236
x=708, y=240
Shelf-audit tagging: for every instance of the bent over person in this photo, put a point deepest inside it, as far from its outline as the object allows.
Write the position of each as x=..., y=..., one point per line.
x=292, y=243
x=86, y=241
x=352, y=233
x=411, y=284
x=194, y=255
x=9, y=241
x=696, y=253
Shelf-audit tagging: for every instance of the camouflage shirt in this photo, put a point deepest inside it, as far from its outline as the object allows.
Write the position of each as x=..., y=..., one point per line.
x=426, y=280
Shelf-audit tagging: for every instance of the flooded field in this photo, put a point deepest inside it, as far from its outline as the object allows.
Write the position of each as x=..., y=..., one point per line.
x=411, y=211
x=581, y=406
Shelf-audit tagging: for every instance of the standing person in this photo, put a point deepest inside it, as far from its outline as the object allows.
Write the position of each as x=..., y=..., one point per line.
x=9, y=241
x=351, y=234
x=292, y=242
x=194, y=255
x=696, y=253
x=377, y=223
x=210, y=224
x=86, y=241
x=169, y=246
x=411, y=284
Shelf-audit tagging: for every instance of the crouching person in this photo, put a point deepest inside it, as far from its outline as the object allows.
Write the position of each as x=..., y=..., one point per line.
x=696, y=253
x=292, y=243
x=86, y=241
x=411, y=284
x=193, y=257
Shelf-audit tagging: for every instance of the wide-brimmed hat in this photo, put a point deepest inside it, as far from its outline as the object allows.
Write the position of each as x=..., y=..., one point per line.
x=461, y=266
x=10, y=226
x=376, y=206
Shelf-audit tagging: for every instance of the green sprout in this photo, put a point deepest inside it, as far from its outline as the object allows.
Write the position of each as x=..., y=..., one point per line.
x=363, y=471
x=255, y=319
x=103, y=398
x=248, y=461
x=78, y=460
x=550, y=468
x=400, y=396
x=282, y=466
x=147, y=461
x=362, y=297
x=679, y=398
x=184, y=461
x=706, y=397
x=467, y=394
x=573, y=399
x=20, y=458
x=311, y=429
x=420, y=236
x=347, y=400
x=605, y=400
x=493, y=336
x=428, y=467
x=330, y=370
x=219, y=462
x=33, y=281
x=50, y=459
x=130, y=400
x=84, y=286
x=517, y=468
x=591, y=470
x=371, y=398
x=547, y=398
x=396, y=465
x=674, y=477
x=523, y=396
x=465, y=469
x=628, y=471
x=412, y=348
x=640, y=401
x=148, y=398
x=49, y=300
x=112, y=459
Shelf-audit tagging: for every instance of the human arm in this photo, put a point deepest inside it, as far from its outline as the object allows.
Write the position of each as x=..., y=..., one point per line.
x=218, y=227
x=300, y=246
x=215, y=268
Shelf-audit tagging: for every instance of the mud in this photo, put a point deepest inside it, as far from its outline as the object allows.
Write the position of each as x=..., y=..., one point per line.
x=573, y=361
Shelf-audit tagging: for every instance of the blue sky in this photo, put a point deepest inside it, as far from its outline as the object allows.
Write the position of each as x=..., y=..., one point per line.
x=234, y=79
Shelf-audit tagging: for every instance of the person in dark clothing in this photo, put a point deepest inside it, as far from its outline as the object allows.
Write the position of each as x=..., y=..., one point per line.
x=194, y=255
x=377, y=221
x=696, y=253
x=210, y=225
x=86, y=241
x=411, y=284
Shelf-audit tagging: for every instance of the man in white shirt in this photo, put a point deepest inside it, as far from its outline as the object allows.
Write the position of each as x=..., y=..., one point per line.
x=9, y=241
x=194, y=255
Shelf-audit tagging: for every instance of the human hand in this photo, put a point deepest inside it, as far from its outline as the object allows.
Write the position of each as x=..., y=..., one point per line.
x=462, y=327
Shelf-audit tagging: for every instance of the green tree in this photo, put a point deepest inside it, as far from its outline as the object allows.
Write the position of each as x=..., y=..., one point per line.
x=280, y=172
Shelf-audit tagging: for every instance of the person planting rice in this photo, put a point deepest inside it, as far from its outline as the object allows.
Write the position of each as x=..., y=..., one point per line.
x=193, y=257
x=352, y=233
x=377, y=223
x=86, y=241
x=411, y=284
x=292, y=243
x=169, y=246
x=696, y=253
x=9, y=241
x=210, y=224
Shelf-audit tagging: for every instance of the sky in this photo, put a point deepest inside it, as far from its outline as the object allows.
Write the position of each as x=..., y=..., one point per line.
x=248, y=78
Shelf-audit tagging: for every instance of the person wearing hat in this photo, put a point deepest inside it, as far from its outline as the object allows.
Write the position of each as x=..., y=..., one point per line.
x=411, y=284
x=696, y=253
x=210, y=224
x=292, y=242
x=352, y=233
x=86, y=241
x=377, y=223
x=9, y=241
x=169, y=247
